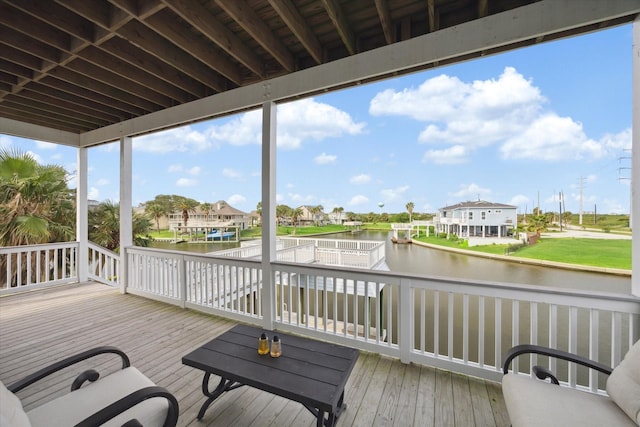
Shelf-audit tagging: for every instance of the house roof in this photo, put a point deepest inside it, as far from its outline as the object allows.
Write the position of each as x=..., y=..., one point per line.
x=477, y=204
x=77, y=66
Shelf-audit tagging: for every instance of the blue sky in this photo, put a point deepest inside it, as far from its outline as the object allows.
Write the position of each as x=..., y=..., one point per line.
x=513, y=128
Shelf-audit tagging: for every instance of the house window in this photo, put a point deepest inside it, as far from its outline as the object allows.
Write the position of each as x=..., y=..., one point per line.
x=498, y=210
x=470, y=215
x=484, y=215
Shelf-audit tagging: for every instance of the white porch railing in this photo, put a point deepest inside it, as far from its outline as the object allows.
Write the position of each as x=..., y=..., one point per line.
x=458, y=325
x=35, y=266
x=104, y=265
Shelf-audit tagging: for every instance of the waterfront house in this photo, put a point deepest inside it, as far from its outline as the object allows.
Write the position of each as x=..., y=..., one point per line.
x=477, y=218
x=221, y=214
x=86, y=74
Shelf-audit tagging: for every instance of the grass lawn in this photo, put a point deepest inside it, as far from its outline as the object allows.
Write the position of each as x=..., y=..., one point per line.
x=595, y=252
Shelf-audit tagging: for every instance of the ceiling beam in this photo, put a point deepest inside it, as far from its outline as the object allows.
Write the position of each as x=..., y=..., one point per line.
x=245, y=16
x=205, y=22
x=339, y=20
x=290, y=15
x=497, y=32
x=382, y=7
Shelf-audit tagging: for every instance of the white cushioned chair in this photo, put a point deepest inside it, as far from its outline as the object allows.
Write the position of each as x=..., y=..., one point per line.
x=123, y=398
x=531, y=402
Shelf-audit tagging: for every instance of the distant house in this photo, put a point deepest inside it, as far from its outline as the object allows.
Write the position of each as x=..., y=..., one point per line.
x=310, y=215
x=221, y=215
x=477, y=219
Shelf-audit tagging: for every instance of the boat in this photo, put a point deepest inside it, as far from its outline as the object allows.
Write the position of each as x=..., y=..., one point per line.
x=216, y=235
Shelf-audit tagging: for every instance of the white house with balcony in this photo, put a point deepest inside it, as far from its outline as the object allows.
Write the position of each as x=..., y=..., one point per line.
x=477, y=218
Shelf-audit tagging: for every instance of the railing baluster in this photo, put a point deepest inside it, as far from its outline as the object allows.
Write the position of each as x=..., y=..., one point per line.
x=594, y=326
x=481, y=331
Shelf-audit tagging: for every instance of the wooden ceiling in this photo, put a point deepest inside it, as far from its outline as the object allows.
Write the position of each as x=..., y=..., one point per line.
x=79, y=65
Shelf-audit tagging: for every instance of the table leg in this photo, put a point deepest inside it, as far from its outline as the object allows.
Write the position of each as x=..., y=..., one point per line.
x=223, y=386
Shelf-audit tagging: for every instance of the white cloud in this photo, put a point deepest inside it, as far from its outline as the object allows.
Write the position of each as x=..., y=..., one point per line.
x=93, y=193
x=448, y=156
x=325, y=159
x=194, y=170
x=236, y=199
x=471, y=114
x=45, y=145
x=175, y=168
x=298, y=122
x=102, y=182
x=617, y=142
x=552, y=138
x=519, y=200
x=186, y=182
x=508, y=110
x=472, y=191
x=390, y=194
x=231, y=173
x=358, y=200
x=182, y=139
x=360, y=179
x=35, y=156
x=299, y=198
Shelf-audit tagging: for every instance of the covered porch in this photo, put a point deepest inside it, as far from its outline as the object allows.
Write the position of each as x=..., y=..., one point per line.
x=44, y=326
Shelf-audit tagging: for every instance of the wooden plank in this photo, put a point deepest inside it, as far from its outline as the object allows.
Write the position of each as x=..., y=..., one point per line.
x=482, y=412
x=496, y=399
x=407, y=401
x=426, y=398
x=463, y=412
x=390, y=396
x=444, y=412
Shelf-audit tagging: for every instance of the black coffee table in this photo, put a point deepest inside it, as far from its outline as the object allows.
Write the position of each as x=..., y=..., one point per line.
x=311, y=372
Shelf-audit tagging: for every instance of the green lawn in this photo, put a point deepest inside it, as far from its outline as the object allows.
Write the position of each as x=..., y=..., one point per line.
x=595, y=252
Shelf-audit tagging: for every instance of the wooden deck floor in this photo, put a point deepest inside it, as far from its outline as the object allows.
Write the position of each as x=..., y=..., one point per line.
x=40, y=327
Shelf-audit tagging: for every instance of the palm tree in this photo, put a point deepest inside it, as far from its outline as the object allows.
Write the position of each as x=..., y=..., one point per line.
x=185, y=205
x=155, y=211
x=104, y=226
x=295, y=215
x=36, y=206
x=315, y=211
x=206, y=208
x=410, y=207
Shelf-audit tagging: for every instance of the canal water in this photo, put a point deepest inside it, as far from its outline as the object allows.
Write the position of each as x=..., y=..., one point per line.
x=415, y=259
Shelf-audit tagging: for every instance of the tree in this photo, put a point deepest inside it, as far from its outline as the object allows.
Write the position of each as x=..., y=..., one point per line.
x=410, y=207
x=155, y=211
x=295, y=215
x=315, y=211
x=282, y=211
x=104, y=226
x=206, y=208
x=36, y=206
x=185, y=205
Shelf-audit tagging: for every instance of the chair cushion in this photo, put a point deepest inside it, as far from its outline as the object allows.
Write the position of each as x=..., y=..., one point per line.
x=11, y=412
x=75, y=406
x=623, y=385
x=531, y=402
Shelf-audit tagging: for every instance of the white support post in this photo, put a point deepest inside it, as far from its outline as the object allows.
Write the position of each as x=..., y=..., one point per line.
x=82, y=211
x=268, y=212
x=126, y=211
x=635, y=158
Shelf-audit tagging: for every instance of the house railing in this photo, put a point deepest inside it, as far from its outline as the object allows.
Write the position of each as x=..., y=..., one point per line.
x=464, y=326
x=36, y=266
x=104, y=265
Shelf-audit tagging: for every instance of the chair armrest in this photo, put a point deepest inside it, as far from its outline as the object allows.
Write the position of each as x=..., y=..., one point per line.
x=71, y=360
x=552, y=352
x=128, y=402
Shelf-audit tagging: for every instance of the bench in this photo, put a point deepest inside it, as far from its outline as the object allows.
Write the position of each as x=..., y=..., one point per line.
x=531, y=402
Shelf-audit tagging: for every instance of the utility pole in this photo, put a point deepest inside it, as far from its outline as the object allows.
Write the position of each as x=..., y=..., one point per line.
x=581, y=186
x=621, y=178
x=560, y=203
